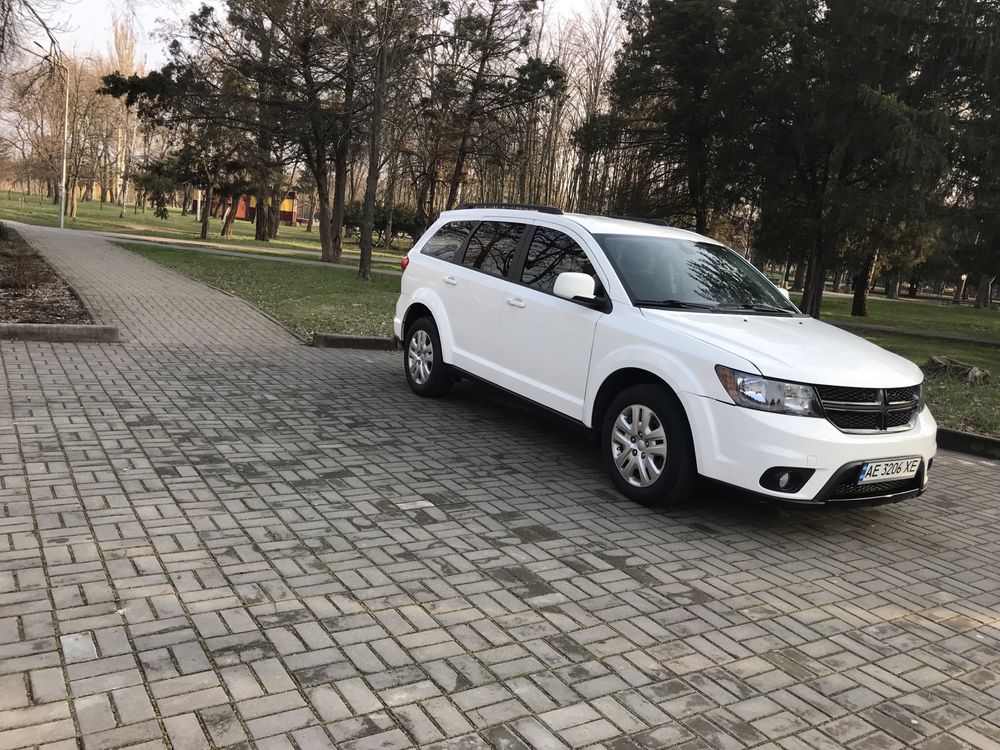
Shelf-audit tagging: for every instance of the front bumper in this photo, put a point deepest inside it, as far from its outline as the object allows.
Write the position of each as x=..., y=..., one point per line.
x=735, y=446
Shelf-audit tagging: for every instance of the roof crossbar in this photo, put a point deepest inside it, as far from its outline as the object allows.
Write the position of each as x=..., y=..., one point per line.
x=643, y=219
x=515, y=206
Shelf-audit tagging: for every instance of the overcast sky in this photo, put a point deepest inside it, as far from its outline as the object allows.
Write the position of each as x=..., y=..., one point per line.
x=85, y=25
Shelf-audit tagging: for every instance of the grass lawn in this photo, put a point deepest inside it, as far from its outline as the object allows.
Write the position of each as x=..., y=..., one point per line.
x=970, y=408
x=919, y=315
x=304, y=298
x=39, y=210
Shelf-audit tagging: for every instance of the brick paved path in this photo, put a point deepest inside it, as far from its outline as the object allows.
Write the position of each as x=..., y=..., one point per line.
x=211, y=535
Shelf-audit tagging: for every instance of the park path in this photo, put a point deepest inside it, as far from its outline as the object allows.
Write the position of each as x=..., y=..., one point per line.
x=148, y=302
x=214, y=536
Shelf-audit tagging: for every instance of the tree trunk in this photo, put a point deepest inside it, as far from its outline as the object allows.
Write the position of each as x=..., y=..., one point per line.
x=274, y=214
x=324, y=217
x=983, y=291
x=186, y=201
x=72, y=198
x=340, y=176
x=420, y=215
x=312, y=211
x=697, y=180
x=862, y=283
x=798, y=281
x=583, y=195
x=261, y=232
x=390, y=198
x=838, y=275
x=206, y=212
x=227, y=225
x=892, y=285
x=374, y=160
x=823, y=249
x=122, y=199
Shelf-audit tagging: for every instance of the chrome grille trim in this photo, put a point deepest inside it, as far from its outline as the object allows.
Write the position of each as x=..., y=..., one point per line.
x=894, y=410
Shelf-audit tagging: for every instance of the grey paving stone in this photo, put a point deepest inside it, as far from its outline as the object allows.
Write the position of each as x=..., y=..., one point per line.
x=213, y=536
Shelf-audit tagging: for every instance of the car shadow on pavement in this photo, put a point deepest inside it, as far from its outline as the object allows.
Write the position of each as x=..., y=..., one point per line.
x=713, y=508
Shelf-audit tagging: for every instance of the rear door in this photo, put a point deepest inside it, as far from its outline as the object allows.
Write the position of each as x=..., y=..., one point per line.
x=547, y=340
x=480, y=283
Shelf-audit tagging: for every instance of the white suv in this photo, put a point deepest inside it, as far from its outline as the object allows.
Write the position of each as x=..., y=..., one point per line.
x=680, y=355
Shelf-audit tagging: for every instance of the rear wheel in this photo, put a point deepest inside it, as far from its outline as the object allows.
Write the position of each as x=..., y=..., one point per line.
x=647, y=446
x=426, y=371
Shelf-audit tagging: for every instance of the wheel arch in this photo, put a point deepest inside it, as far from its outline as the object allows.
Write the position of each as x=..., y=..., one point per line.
x=660, y=397
x=427, y=304
x=415, y=312
x=618, y=381
x=625, y=377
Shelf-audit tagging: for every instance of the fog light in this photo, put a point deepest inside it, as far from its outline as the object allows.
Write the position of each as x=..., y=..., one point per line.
x=785, y=478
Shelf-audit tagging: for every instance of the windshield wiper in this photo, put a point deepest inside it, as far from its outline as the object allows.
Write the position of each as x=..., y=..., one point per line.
x=674, y=304
x=762, y=308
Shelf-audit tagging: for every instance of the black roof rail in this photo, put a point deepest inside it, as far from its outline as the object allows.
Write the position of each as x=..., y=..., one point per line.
x=516, y=206
x=643, y=219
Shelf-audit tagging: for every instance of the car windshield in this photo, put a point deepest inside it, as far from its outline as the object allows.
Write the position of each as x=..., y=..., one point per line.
x=678, y=273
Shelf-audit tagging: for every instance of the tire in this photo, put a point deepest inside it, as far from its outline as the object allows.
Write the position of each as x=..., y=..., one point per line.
x=426, y=371
x=660, y=472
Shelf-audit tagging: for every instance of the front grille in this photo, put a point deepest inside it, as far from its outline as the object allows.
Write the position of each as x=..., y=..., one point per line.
x=851, y=490
x=870, y=409
x=847, y=395
x=902, y=395
x=855, y=420
x=899, y=418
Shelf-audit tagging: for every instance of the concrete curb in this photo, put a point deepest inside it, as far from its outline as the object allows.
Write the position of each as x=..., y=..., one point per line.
x=59, y=333
x=968, y=442
x=85, y=333
x=343, y=341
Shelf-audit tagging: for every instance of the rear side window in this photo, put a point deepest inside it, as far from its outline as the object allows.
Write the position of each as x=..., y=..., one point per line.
x=551, y=253
x=493, y=246
x=447, y=241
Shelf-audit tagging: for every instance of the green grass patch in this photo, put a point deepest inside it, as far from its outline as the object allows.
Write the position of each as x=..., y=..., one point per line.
x=40, y=211
x=917, y=315
x=970, y=408
x=304, y=298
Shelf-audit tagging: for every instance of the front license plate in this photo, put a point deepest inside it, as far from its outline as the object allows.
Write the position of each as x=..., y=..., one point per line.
x=888, y=471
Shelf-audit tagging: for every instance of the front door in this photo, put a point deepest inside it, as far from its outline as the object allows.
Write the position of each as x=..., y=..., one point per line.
x=547, y=340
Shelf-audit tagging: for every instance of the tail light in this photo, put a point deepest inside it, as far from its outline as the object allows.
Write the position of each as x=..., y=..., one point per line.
x=404, y=262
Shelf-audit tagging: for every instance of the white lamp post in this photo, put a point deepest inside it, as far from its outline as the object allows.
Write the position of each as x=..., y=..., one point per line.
x=65, y=136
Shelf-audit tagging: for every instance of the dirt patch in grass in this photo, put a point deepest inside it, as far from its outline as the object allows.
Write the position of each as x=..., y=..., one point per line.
x=30, y=291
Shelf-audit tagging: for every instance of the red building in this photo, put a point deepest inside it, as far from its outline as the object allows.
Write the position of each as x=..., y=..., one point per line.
x=246, y=210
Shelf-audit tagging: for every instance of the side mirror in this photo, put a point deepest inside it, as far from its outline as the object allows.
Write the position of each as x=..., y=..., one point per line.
x=784, y=293
x=574, y=285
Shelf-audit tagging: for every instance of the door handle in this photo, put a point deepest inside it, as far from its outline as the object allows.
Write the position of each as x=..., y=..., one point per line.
x=450, y=280
x=515, y=302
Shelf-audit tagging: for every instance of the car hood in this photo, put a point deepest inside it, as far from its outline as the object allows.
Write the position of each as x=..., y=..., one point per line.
x=798, y=349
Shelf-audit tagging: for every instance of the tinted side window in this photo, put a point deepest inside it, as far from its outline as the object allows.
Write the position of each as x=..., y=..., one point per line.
x=447, y=240
x=493, y=246
x=551, y=253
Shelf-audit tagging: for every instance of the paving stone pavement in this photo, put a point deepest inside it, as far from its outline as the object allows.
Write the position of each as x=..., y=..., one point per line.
x=213, y=536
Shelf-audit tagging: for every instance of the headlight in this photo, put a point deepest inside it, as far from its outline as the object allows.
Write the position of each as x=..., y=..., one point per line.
x=758, y=392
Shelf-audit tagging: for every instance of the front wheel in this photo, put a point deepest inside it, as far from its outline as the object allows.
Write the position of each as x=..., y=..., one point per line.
x=426, y=371
x=647, y=446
